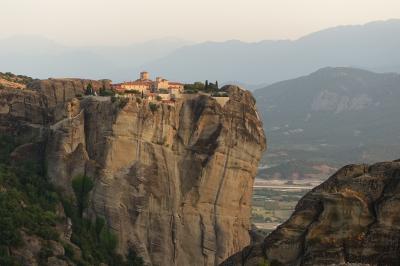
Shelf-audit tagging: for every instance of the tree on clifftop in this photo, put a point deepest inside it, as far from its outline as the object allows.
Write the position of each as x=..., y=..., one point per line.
x=89, y=89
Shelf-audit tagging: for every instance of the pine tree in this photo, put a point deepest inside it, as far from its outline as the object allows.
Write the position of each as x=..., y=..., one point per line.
x=82, y=185
x=89, y=89
x=102, y=91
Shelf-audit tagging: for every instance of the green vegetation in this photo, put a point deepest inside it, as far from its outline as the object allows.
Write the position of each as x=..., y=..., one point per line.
x=122, y=102
x=29, y=204
x=194, y=88
x=89, y=89
x=97, y=242
x=102, y=92
x=132, y=92
x=258, y=218
x=264, y=263
x=211, y=87
x=82, y=185
x=153, y=107
x=158, y=98
x=16, y=78
x=106, y=92
x=7, y=145
x=272, y=192
x=207, y=87
x=133, y=259
x=273, y=206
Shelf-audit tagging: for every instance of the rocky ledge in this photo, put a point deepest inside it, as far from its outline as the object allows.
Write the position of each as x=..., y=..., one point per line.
x=174, y=182
x=353, y=217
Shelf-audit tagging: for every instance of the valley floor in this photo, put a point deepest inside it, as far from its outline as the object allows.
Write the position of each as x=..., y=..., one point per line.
x=274, y=201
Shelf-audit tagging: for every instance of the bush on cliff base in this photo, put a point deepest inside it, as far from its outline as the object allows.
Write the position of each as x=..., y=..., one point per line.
x=82, y=185
x=29, y=203
x=97, y=242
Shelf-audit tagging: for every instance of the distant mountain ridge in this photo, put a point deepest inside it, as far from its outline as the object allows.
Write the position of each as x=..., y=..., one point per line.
x=345, y=100
x=42, y=58
x=332, y=116
x=372, y=46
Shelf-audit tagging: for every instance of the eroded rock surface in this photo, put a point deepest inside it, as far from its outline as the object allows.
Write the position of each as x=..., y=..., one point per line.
x=174, y=182
x=353, y=217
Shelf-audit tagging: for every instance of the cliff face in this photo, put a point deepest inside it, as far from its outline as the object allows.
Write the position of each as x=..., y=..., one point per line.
x=352, y=217
x=174, y=182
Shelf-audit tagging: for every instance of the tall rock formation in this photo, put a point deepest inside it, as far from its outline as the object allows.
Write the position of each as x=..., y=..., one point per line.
x=174, y=182
x=353, y=217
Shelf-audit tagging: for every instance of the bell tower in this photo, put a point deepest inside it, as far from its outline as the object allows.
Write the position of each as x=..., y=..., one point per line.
x=144, y=75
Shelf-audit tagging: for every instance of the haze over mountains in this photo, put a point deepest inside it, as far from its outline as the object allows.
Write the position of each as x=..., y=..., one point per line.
x=42, y=58
x=331, y=117
x=373, y=46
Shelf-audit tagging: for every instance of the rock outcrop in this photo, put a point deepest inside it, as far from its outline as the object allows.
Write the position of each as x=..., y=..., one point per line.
x=353, y=217
x=174, y=182
x=62, y=90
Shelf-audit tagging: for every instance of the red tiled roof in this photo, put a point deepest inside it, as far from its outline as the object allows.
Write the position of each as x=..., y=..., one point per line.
x=175, y=83
x=137, y=83
x=145, y=83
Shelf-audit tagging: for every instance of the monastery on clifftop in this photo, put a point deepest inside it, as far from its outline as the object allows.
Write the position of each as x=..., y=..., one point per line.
x=146, y=86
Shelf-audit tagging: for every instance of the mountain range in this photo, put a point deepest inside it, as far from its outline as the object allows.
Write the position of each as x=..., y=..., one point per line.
x=332, y=116
x=373, y=46
x=42, y=58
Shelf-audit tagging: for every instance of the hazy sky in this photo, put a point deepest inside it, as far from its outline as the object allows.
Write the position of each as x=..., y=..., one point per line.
x=86, y=22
